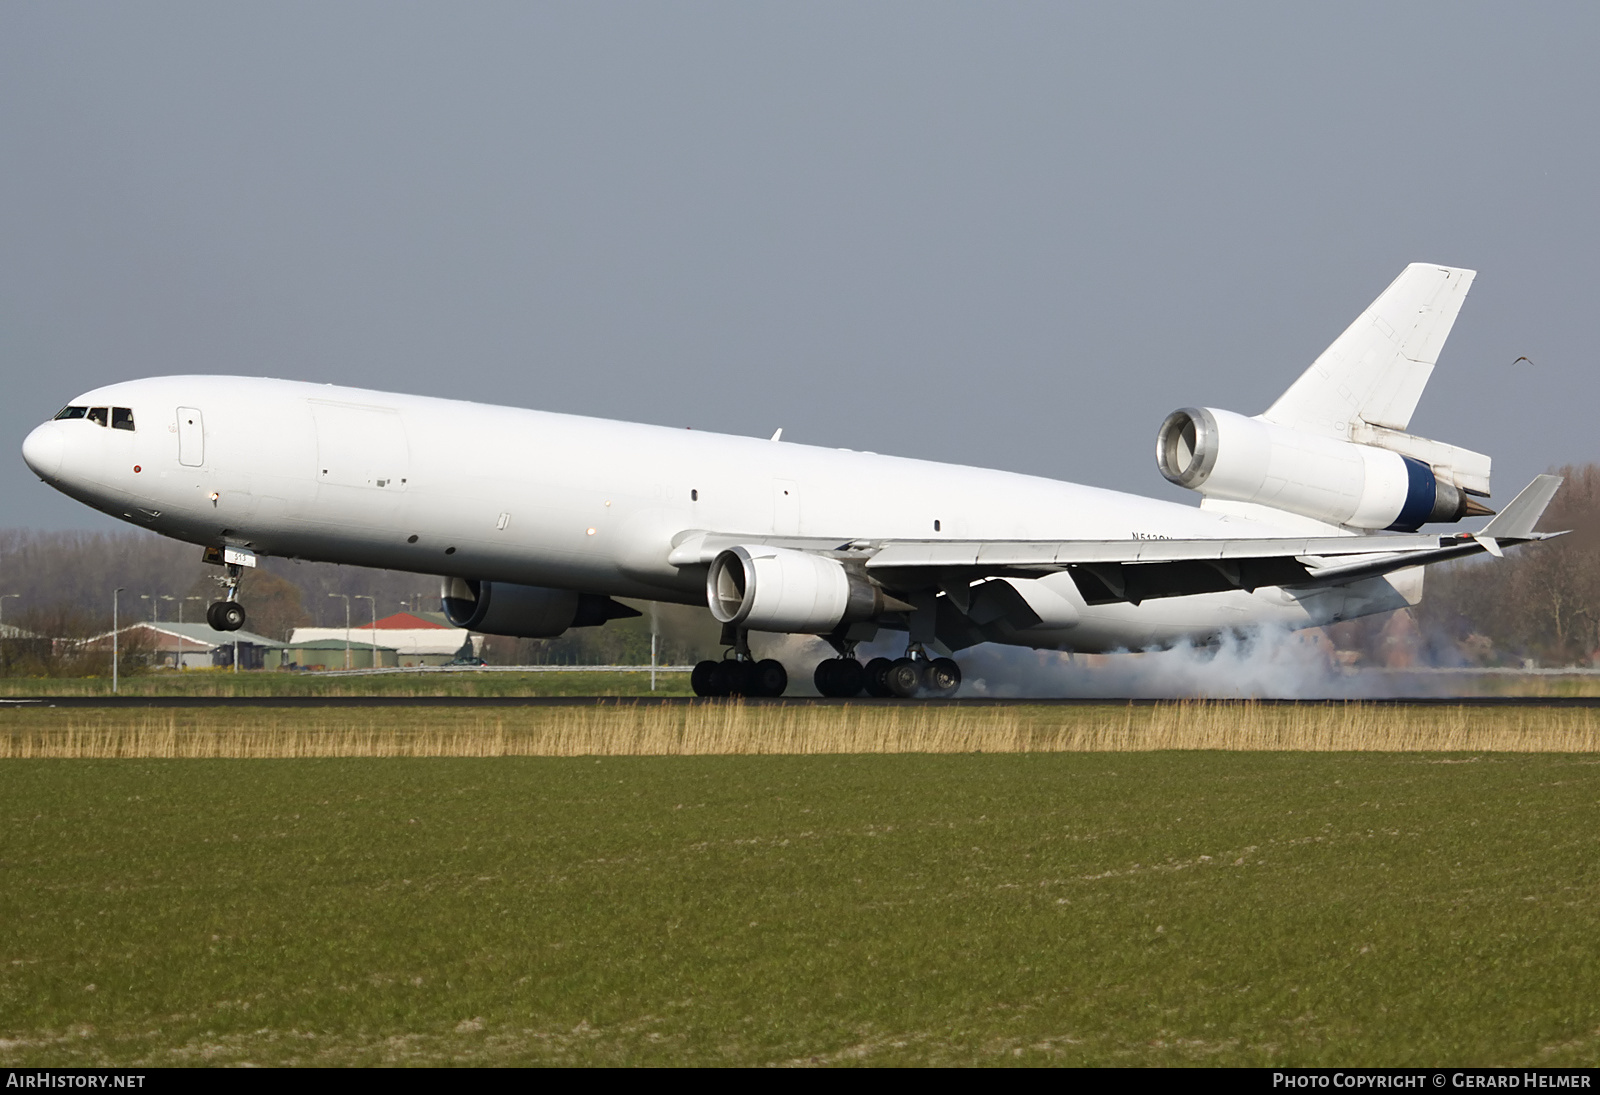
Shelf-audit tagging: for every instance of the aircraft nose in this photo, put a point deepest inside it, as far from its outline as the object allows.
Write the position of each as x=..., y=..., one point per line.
x=43, y=450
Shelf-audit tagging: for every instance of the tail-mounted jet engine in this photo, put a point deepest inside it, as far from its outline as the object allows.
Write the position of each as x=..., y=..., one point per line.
x=525, y=612
x=1228, y=456
x=780, y=589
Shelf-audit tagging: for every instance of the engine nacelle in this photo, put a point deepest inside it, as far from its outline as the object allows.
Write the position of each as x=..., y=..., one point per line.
x=1226, y=455
x=525, y=612
x=781, y=589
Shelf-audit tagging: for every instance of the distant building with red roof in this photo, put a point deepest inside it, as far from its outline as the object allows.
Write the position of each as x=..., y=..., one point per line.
x=412, y=621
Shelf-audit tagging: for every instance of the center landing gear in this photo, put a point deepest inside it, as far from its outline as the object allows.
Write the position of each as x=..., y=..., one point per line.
x=227, y=614
x=738, y=673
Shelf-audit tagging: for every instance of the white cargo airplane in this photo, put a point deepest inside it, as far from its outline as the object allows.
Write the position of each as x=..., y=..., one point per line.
x=536, y=520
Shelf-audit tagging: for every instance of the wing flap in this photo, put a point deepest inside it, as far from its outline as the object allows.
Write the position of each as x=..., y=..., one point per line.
x=1058, y=554
x=1108, y=583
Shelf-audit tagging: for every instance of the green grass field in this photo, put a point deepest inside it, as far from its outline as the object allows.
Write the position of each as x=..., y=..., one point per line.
x=217, y=682
x=1074, y=908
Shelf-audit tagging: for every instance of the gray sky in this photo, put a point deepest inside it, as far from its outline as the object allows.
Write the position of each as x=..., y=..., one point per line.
x=1013, y=235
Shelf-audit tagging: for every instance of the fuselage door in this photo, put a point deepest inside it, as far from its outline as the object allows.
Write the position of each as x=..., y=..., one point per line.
x=191, y=437
x=360, y=446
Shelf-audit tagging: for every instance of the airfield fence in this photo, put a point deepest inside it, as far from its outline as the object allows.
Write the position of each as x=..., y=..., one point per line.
x=423, y=670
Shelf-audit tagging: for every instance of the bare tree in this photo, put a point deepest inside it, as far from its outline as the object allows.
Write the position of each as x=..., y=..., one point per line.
x=1541, y=602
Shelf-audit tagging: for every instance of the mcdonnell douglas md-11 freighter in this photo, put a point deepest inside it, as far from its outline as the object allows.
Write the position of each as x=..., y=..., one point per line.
x=1309, y=514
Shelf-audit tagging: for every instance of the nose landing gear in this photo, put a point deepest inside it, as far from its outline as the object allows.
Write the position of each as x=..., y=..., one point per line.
x=227, y=614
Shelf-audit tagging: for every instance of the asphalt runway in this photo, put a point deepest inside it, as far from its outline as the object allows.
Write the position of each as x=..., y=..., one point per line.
x=173, y=702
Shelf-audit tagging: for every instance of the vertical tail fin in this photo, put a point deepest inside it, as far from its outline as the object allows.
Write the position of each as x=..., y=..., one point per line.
x=1375, y=372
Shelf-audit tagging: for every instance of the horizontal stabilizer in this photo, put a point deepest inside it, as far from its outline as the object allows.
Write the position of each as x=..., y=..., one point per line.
x=1468, y=470
x=1516, y=521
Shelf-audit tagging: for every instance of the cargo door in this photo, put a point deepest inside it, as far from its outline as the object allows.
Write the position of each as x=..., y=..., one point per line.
x=359, y=446
x=191, y=437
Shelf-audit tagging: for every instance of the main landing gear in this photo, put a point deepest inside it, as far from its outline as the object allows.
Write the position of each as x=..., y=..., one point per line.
x=911, y=677
x=227, y=614
x=914, y=676
x=738, y=673
x=732, y=677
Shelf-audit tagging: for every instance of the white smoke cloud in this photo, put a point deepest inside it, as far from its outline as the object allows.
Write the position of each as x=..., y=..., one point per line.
x=1262, y=663
x=1252, y=665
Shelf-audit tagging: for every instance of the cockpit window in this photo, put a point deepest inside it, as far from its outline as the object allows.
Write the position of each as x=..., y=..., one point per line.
x=71, y=412
x=122, y=418
x=100, y=415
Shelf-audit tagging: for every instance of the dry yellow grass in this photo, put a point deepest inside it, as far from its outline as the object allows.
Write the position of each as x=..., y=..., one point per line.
x=737, y=728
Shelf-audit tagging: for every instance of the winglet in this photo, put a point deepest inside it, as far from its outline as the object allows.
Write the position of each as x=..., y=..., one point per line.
x=1516, y=521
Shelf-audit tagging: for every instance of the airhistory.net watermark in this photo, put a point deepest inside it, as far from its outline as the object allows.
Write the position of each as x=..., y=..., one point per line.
x=47, y=1078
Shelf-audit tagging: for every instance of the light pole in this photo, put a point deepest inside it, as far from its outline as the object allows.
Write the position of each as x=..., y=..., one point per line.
x=346, y=597
x=114, y=594
x=374, y=603
x=155, y=600
x=3, y=598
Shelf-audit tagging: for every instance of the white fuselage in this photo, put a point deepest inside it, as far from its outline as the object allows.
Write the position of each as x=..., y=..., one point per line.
x=458, y=489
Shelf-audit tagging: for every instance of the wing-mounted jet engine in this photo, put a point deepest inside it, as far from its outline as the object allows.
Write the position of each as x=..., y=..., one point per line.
x=1333, y=447
x=525, y=612
x=768, y=588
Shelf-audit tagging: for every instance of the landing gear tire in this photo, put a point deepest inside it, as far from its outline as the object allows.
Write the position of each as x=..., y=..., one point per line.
x=875, y=673
x=851, y=678
x=732, y=678
x=839, y=678
x=903, y=678
x=942, y=678
x=703, y=678
x=767, y=677
x=225, y=615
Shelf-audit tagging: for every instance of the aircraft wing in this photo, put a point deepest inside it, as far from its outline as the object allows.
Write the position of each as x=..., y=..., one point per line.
x=1110, y=571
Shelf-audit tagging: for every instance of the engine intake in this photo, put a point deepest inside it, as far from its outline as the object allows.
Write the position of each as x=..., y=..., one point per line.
x=781, y=589
x=525, y=612
x=1226, y=455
